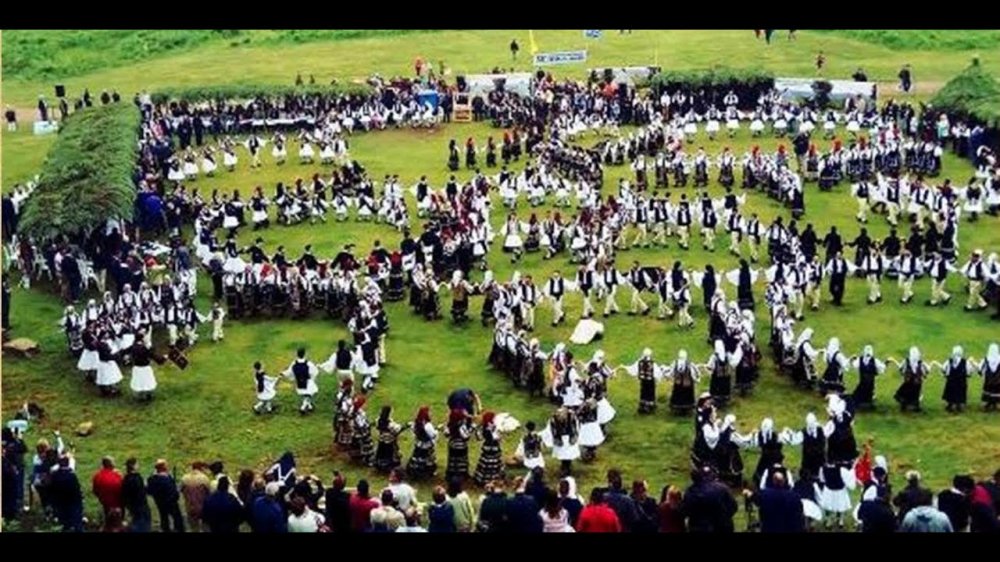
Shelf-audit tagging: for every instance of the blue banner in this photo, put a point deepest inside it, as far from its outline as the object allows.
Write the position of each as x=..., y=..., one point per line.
x=561, y=57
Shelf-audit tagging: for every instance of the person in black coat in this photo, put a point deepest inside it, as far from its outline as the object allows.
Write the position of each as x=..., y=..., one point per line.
x=71, y=270
x=910, y=497
x=522, y=513
x=708, y=505
x=536, y=487
x=780, y=507
x=222, y=511
x=338, y=510
x=66, y=496
x=807, y=242
x=134, y=498
x=163, y=488
x=955, y=502
x=862, y=245
x=623, y=506
x=876, y=515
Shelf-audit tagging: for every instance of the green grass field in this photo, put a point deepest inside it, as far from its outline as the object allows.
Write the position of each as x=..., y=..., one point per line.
x=204, y=413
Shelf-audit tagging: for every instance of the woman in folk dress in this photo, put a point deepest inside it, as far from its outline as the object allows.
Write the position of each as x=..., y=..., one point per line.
x=190, y=167
x=990, y=370
x=490, y=466
x=387, y=456
x=423, y=462
x=108, y=373
x=306, y=152
x=143, y=381
x=208, y=165
x=278, y=151
x=229, y=159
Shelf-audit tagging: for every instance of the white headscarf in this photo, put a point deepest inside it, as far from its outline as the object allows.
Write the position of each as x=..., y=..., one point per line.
x=869, y=351
x=811, y=424
x=488, y=277
x=720, y=349
x=993, y=356
x=728, y=421
x=914, y=357
x=956, y=354
x=682, y=358
x=766, y=427
x=647, y=353
x=832, y=347
x=456, y=276
x=805, y=336
x=598, y=357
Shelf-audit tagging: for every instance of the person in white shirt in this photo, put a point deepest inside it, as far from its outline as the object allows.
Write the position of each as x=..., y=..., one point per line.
x=404, y=495
x=301, y=519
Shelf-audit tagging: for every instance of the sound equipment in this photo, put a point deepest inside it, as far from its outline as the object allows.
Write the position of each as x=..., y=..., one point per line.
x=60, y=91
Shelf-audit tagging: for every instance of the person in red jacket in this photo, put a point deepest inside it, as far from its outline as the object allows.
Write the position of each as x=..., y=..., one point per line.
x=107, y=486
x=361, y=506
x=597, y=517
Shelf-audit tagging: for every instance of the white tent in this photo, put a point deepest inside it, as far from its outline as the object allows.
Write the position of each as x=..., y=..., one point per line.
x=801, y=88
x=521, y=83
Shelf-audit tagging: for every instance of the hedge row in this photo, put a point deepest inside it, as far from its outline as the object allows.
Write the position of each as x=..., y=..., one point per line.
x=973, y=93
x=748, y=84
x=197, y=94
x=87, y=175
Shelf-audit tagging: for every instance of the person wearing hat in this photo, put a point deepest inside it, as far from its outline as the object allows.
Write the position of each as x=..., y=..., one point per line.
x=304, y=372
x=937, y=269
x=975, y=271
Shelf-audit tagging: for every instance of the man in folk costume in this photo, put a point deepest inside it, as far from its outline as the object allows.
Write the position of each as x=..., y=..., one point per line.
x=836, y=365
x=814, y=283
x=555, y=288
x=591, y=434
x=529, y=448
x=265, y=386
x=423, y=462
x=609, y=282
x=460, y=290
x=868, y=367
x=709, y=221
x=143, y=381
x=956, y=372
x=681, y=295
x=862, y=193
x=596, y=387
x=735, y=226
x=937, y=268
x=304, y=372
x=754, y=232
x=639, y=281
x=585, y=285
x=683, y=219
x=975, y=271
x=459, y=431
x=834, y=498
x=873, y=266
x=908, y=268
x=641, y=223
x=914, y=371
x=362, y=449
x=647, y=372
x=989, y=368
x=341, y=361
x=218, y=316
x=769, y=443
x=529, y=300
x=562, y=436
x=108, y=373
x=839, y=268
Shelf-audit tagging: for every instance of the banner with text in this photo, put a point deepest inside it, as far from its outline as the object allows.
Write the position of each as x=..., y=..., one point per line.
x=561, y=57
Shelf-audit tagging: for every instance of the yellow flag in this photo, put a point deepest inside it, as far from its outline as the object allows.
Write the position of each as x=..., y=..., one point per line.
x=531, y=41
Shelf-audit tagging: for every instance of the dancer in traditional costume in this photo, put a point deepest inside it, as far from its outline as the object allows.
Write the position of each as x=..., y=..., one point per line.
x=562, y=436
x=914, y=371
x=684, y=375
x=362, y=449
x=304, y=372
x=265, y=386
x=458, y=431
x=387, y=456
x=990, y=370
x=490, y=466
x=648, y=372
x=529, y=448
x=423, y=463
x=956, y=372
x=868, y=367
x=143, y=381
